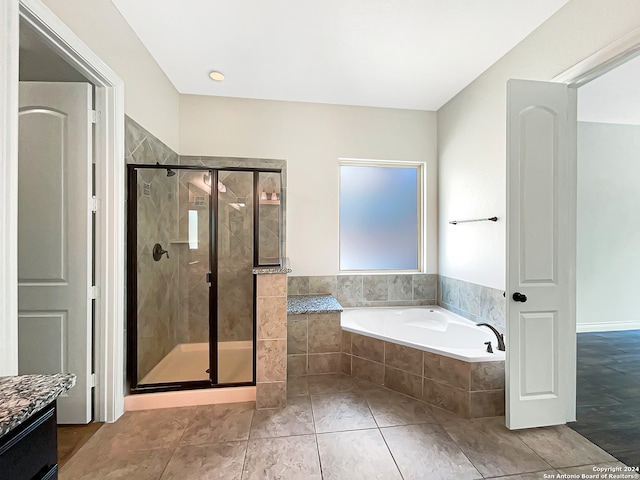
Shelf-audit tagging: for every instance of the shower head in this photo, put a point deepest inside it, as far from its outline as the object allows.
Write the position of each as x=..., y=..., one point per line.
x=170, y=173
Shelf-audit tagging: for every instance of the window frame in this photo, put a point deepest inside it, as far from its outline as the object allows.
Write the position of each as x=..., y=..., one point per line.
x=421, y=168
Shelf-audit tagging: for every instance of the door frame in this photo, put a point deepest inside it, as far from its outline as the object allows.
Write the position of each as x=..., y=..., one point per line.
x=602, y=61
x=590, y=68
x=110, y=220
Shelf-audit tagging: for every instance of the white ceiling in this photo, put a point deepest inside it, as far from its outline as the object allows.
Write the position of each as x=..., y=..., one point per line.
x=414, y=54
x=614, y=97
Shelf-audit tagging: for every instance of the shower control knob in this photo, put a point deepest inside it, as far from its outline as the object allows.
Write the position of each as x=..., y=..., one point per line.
x=519, y=297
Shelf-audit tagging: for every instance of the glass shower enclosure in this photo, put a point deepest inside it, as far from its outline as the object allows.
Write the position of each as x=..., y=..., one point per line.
x=194, y=237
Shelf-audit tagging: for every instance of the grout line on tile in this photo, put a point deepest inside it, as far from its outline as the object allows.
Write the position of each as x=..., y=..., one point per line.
x=371, y=412
x=138, y=146
x=461, y=450
x=244, y=458
x=167, y=464
x=391, y=453
x=315, y=436
x=539, y=456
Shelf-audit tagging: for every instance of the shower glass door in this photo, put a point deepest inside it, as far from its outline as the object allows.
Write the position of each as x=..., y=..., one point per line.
x=234, y=244
x=192, y=245
x=170, y=237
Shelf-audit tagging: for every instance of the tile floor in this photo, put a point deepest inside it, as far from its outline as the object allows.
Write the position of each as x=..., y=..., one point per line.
x=71, y=438
x=334, y=427
x=608, y=410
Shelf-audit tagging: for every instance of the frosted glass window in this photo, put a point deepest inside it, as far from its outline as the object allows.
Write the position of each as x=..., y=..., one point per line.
x=379, y=217
x=193, y=229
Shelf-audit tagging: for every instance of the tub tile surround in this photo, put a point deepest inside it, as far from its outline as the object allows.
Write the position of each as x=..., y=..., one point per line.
x=314, y=336
x=369, y=290
x=470, y=390
x=472, y=301
x=324, y=363
x=314, y=344
x=324, y=332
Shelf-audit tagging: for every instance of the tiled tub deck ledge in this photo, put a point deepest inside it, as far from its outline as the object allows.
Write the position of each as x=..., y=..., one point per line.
x=22, y=396
x=305, y=304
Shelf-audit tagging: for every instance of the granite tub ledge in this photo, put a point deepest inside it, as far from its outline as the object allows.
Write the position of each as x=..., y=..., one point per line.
x=302, y=304
x=23, y=395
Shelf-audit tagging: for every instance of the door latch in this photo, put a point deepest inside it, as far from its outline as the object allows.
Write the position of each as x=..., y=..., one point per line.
x=519, y=297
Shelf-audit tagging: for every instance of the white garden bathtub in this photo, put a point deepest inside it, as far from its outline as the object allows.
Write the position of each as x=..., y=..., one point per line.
x=430, y=328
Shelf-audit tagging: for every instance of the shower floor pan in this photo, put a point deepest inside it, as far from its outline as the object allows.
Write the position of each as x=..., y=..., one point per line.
x=190, y=361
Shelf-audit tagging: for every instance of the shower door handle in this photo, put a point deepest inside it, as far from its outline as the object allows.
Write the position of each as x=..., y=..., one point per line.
x=207, y=278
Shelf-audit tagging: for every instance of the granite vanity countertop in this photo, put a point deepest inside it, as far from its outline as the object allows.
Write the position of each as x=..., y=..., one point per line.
x=301, y=304
x=23, y=395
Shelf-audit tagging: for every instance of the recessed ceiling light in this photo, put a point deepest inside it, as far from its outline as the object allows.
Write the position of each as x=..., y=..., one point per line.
x=217, y=76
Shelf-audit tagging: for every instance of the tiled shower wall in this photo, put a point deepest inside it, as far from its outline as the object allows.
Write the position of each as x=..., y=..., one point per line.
x=158, y=282
x=469, y=300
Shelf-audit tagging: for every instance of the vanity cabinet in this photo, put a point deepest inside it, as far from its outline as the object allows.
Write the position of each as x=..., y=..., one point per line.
x=29, y=451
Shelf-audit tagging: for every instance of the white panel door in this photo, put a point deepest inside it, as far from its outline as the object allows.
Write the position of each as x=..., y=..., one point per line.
x=541, y=198
x=54, y=238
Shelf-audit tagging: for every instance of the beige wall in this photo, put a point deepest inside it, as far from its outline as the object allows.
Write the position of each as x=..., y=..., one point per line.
x=311, y=138
x=472, y=128
x=150, y=98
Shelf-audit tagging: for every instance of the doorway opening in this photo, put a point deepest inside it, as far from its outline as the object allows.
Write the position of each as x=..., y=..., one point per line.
x=562, y=92
x=56, y=223
x=69, y=53
x=607, y=262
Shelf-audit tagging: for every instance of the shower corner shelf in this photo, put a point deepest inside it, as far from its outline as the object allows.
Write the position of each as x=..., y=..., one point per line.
x=178, y=241
x=269, y=202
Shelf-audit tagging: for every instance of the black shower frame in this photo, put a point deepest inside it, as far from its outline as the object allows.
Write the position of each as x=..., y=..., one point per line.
x=132, y=276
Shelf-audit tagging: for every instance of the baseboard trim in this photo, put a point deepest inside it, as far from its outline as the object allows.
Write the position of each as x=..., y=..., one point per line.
x=607, y=327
